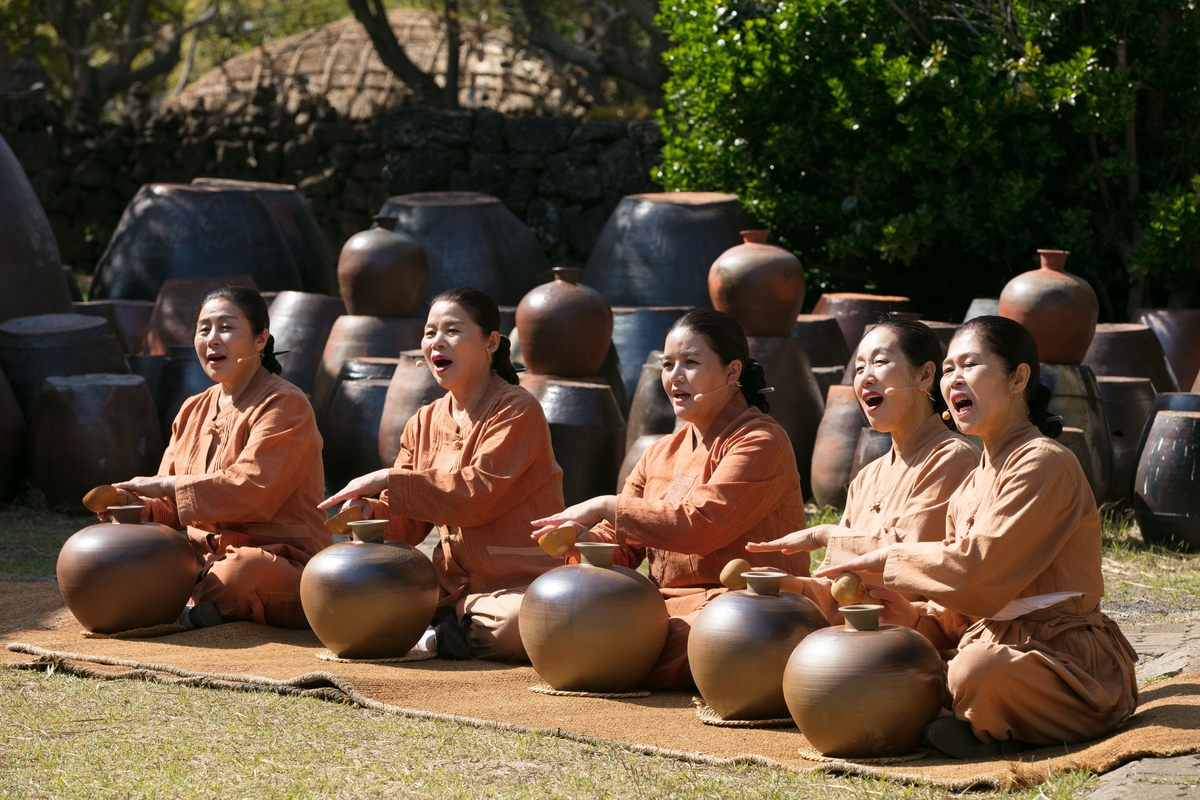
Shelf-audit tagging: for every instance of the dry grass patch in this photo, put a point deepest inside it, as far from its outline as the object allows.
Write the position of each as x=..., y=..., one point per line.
x=1146, y=583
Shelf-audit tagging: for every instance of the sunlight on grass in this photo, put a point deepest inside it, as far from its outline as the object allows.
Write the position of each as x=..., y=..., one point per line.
x=1146, y=582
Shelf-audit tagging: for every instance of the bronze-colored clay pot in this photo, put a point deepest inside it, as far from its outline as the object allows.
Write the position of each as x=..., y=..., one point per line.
x=1059, y=309
x=12, y=443
x=835, y=446
x=1132, y=351
x=470, y=239
x=796, y=403
x=587, y=432
x=180, y=376
x=565, y=327
x=88, y=430
x=34, y=348
x=593, y=627
x=650, y=411
x=822, y=339
x=1166, y=504
x=637, y=331
x=633, y=455
x=180, y=231
x=382, y=273
x=740, y=643
x=355, y=336
x=982, y=307
x=1127, y=404
x=855, y=311
x=1178, y=330
x=350, y=427
x=1075, y=396
x=300, y=323
x=411, y=387
x=127, y=574
x=758, y=284
x=864, y=690
x=656, y=249
x=177, y=308
x=31, y=276
x=872, y=445
x=296, y=224
x=369, y=598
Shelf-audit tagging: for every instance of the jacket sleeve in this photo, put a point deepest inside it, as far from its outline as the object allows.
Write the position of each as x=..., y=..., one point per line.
x=164, y=510
x=628, y=555
x=400, y=528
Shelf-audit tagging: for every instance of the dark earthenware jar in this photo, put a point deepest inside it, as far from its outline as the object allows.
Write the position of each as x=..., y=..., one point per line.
x=1131, y=351
x=296, y=224
x=31, y=272
x=368, y=598
x=587, y=432
x=758, y=284
x=633, y=455
x=1127, y=404
x=350, y=430
x=34, y=348
x=72, y=284
x=650, y=412
x=508, y=319
x=134, y=316
x=180, y=377
x=149, y=367
x=470, y=239
x=12, y=443
x=982, y=307
x=740, y=643
x=822, y=339
x=656, y=249
x=610, y=371
x=173, y=319
x=179, y=231
x=796, y=403
x=1059, y=309
x=872, y=445
x=855, y=311
x=593, y=627
x=638, y=330
x=355, y=336
x=89, y=430
x=1178, y=330
x=826, y=377
x=566, y=328
x=1075, y=396
x=835, y=446
x=126, y=574
x=1166, y=503
x=103, y=309
x=1165, y=401
x=412, y=386
x=864, y=690
x=943, y=330
x=1075, y=440
x=382, y=273
x=300, y=323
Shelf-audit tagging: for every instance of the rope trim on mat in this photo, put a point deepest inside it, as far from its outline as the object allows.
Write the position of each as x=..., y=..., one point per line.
x=411, y=655
x=166, y=629
x=550, y=690
x=709, y=717
x=810, y=754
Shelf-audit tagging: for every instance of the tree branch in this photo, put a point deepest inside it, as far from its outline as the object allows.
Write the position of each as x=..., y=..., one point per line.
x=392, y=54
x=112, y=81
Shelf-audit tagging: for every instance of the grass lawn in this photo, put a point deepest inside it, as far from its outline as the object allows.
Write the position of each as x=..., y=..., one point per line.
x=72, y=737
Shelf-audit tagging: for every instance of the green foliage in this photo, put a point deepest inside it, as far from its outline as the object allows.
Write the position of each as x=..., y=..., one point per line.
x=929, y=147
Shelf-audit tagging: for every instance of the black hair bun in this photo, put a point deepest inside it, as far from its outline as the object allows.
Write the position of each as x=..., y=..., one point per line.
x=502, y=362
x=268, y=357
x=1040, y=415
x=754, y=379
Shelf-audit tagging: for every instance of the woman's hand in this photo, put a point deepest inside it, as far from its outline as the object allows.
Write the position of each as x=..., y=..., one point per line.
x=585, y=514
x=156, y=486
x=367, y=485
x=869, y=567
x=896, y=608
x=130, y=499
x=365, y=512
x=804, y=541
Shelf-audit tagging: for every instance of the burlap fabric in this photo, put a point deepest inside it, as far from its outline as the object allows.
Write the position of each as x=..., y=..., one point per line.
x=37, y=631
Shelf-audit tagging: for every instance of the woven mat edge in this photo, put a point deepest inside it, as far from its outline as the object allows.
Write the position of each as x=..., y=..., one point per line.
x=326, y=654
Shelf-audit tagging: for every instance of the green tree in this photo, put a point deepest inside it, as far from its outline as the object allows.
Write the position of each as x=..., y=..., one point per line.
x=929, y=147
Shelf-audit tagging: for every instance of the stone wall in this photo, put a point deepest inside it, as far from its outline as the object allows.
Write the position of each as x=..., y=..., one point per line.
x=561, y=177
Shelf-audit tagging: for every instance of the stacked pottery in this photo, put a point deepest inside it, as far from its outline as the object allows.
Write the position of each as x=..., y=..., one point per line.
x=354, y=336
x=637, y=331
x=91, y=430
x=34, y=348
x=651, y=412
x=796, y=404
x=1178, y=330
x=105, y=310
x=351, y=424
x=368, y=598
x=740, y=643
x=587, y=433
x=823, y=341
x=1127, y=404
x=593, y=627
x=1132, y=351
x=565, y=327
x=12, y=443
x=872, y=445
x=470, y=239
x=836, y=445
x=381, y=272
x=1166, y=495
x=126, y=574
x=864, y=690
x=1057, y=308
x=412, y=386
x=758, y=284
x=177, y=308
x=181, y=376
x=1075, y=396
x=300, y=323
x=855, y=311
x=31, y=277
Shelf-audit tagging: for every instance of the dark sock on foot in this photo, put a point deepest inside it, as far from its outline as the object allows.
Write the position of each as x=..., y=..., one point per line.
x=452, y=642
x=954, y=737
x=205, y=615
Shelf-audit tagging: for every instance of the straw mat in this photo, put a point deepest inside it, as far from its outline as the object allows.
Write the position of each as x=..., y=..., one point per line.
x=38, y=631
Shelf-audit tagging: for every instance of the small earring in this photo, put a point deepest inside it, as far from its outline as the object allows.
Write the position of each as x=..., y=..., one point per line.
x=946, y=415
x=930, y=396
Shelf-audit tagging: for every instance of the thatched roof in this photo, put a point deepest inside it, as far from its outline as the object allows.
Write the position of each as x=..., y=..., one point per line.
x=337, y=61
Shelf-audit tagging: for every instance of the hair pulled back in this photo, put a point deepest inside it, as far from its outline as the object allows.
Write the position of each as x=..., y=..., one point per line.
x=252, y=305
x=1013, y=344
x=920, y=346
x=484, y=312
x=725, y=337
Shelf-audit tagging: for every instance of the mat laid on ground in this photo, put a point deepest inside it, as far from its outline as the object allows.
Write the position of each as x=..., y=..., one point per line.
x=37, y=629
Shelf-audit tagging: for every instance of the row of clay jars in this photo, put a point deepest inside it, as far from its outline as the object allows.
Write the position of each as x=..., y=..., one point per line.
x=1127, y=406
x=1178, y=330
x=358, y=336
x=12, y=443
x=1166, y=496
x=1132, y=351
x=1059, y=309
